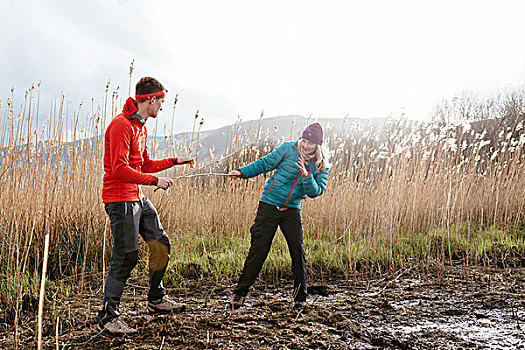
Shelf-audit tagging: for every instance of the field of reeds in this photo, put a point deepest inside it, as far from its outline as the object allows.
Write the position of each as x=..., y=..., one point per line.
x=415, y=194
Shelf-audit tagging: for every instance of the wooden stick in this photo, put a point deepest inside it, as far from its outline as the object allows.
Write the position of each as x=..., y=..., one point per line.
x=212, y=163
x=203, y=174
x=42, y=291
x=192, y=173
x=56, y=333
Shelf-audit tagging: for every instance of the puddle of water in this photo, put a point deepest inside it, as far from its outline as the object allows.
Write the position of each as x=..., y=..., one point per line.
x=405, y=304
x=498, y=330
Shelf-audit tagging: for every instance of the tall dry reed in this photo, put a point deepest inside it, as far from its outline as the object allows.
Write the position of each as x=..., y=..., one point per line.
x=408, y=193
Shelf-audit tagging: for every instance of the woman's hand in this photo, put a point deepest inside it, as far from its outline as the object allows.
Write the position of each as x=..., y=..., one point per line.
x=234, y=174
x=302, y=167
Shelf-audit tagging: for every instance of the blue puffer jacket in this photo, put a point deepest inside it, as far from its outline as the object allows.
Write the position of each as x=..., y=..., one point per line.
x=286, y=187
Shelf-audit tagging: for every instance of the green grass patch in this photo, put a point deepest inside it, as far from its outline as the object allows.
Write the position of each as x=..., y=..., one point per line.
x=199, y=257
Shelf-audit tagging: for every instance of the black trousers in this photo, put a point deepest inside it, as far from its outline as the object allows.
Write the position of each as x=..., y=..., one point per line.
x=262, y=232
x=128, y=221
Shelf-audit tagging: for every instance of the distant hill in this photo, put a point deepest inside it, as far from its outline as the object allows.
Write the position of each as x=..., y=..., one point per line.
x=272, y=130
x=212, y=144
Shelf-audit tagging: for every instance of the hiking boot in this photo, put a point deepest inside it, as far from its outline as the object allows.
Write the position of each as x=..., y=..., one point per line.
x=299, y=304
x=165, y=306
x=237, y=301
x=116, y=326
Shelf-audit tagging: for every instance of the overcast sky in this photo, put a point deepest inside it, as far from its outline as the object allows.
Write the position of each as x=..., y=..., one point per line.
x=236, y=58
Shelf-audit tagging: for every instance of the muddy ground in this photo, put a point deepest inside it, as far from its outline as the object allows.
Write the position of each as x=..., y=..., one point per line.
x=459, y=308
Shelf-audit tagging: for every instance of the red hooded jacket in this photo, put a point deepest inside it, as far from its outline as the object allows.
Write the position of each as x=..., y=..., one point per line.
x=126, y=158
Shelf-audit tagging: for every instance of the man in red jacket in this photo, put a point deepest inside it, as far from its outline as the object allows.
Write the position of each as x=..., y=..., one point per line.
x=126, y=168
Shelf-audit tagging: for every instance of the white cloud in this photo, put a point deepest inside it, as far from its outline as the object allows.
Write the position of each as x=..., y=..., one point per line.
x=232, y=58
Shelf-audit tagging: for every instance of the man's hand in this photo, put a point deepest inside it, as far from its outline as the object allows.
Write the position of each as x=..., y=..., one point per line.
x=234, y=174
x=186, y=160
x=164, y=183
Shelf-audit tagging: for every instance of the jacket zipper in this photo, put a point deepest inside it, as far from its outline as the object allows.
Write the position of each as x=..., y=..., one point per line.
x=273, y=182
x=297, y=178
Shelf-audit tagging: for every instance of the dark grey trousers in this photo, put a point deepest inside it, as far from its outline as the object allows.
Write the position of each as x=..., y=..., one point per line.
x=128, y=220
x=262, y=232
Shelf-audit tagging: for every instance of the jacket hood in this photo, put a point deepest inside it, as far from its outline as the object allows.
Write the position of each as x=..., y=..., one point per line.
x=130, y=107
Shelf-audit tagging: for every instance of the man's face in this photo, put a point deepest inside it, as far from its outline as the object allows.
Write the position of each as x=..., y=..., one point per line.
x=155, y=106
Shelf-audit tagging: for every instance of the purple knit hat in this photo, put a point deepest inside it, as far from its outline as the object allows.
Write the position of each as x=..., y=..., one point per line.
x=314, y=133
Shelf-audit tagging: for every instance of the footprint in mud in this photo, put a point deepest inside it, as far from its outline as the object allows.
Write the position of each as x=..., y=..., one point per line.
x=278, y=306
x=321, y=290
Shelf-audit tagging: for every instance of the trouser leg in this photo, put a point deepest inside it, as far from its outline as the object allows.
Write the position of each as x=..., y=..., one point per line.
x=115, y=282
x=262, y=233
x=124, y=218
x=292, y=229
x=159, y=249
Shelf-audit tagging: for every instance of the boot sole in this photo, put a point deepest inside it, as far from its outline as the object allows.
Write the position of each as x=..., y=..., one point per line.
x=107, y=331
x=154, y=310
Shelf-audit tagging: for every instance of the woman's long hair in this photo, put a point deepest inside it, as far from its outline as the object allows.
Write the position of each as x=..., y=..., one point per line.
x=322, y=156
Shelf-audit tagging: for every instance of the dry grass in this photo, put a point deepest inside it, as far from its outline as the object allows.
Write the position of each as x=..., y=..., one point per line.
x=414, y=194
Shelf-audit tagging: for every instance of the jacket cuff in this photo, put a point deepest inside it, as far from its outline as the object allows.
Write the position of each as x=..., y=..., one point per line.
x=154, y=180
x=175, y=161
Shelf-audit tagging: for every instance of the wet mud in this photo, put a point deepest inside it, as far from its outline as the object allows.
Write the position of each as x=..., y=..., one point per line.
x=455, y=308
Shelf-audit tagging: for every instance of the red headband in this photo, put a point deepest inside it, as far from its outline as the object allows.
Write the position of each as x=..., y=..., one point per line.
x=159, y=94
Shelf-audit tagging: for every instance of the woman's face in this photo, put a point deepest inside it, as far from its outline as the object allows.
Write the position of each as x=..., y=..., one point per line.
x=308, y=146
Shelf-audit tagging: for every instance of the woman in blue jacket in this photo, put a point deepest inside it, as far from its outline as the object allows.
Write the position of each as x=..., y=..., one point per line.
x=301, y=169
